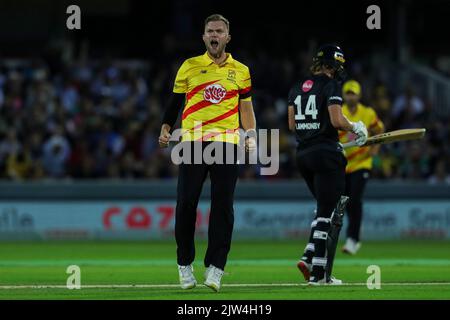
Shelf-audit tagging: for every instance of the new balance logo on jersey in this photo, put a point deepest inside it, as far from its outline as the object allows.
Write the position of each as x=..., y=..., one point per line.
x=307, y=85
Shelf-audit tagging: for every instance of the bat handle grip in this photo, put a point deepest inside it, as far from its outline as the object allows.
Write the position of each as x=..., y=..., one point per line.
x=349, y=144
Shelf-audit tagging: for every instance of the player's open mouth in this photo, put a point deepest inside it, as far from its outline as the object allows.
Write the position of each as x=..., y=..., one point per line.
x=214, y=44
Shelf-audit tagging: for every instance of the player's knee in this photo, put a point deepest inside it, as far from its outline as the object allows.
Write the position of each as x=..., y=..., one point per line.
x=322, y=227
x=185, y=204
x=325, y=210
x=354, y=206
x=223, y=214
x=320, y=235
x=222, y=203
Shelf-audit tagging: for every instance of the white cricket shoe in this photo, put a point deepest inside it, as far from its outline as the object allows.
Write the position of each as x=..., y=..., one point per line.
x=331, y=282
x=305, y=268
x=187, y=279
x=351, y=246
x=334, y=282
x=213, y=277
x=207, y=270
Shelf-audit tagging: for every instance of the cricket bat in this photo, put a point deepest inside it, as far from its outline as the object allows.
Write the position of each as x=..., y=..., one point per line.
x=391, y=136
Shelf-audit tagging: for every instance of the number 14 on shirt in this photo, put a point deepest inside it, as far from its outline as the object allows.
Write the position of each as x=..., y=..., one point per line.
x=310, y=110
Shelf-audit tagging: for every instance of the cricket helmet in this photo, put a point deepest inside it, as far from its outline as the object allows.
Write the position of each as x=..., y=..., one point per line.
x=332, y=56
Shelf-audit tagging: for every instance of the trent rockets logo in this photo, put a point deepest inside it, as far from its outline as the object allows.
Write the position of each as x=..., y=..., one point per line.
x=307, y=85
x=214, y=93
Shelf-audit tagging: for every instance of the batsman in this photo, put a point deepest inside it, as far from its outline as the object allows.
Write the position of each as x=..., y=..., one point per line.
x=315, y=115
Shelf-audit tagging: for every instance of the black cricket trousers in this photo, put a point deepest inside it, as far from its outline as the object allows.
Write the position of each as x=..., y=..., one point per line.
x=190, y=182
x=355, y=185
x=324, y=172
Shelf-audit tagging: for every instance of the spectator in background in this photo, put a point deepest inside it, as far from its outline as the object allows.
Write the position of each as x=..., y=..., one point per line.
x=70, y=97
x=41, y=91
x=9, y=145
x=2, y=95
x=416, y=164
x=149, y=143
x=381, y=102
x=440, y=174
x=388, y=164
x=14, y=94
x=407, y=109
x=19, y=165
x=35, y=141
x=56, y=153
x=97, y=101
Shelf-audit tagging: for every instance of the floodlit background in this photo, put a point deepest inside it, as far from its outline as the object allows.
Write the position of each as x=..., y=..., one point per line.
x=86, y=105
x=80, y=114
x=97, y=94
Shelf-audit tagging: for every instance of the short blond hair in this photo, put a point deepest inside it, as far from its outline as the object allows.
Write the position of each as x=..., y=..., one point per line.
x=218, y=17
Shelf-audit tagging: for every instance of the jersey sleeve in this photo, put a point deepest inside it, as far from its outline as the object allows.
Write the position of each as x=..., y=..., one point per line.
x=291, y=96
x=333, y=93
x=245, y=88
x=374, y=122
x=180, y=84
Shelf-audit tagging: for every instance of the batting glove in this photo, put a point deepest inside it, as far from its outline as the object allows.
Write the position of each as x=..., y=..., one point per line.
x=361, y=132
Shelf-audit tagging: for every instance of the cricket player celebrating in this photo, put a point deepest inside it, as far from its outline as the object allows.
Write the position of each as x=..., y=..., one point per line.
x=215, y=92
x=359, y=160
x=315, y=115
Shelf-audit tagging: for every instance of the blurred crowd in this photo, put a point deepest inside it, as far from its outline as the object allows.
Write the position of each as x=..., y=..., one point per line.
x=101, y=120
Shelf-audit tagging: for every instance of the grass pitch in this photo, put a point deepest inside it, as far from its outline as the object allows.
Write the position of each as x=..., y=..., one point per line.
x=256, y=270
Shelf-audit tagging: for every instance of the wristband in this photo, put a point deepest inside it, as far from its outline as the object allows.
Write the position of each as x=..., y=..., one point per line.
x=250, y=133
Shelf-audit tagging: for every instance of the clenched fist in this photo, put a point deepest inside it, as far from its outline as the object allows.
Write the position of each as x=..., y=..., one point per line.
x=250, y=144
x=164, y=137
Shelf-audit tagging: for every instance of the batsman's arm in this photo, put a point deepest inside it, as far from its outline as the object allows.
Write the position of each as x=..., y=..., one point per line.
x=291, y=118
x=291, y=111
x=170, y=117
x=340, y=122
x=338, y=119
